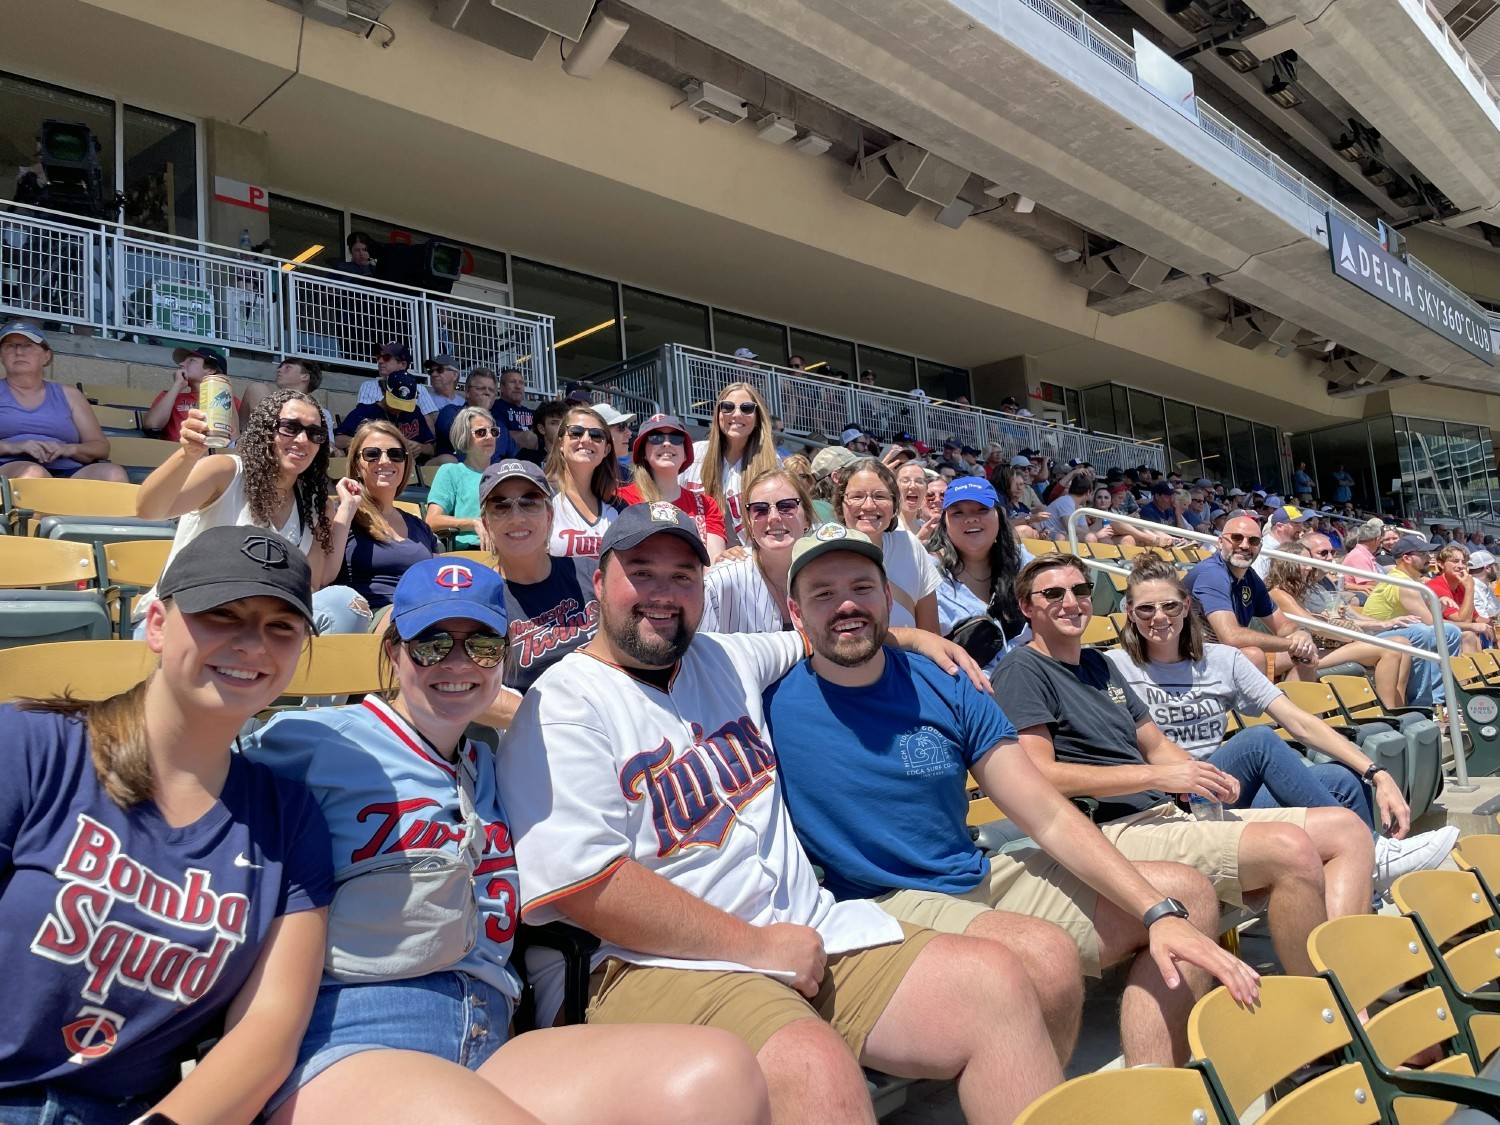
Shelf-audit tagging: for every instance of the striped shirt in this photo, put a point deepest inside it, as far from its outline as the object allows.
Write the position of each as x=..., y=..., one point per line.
x=736, y=599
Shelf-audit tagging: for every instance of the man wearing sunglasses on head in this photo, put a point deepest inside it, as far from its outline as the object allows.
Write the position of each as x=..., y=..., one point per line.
x=1231, y=595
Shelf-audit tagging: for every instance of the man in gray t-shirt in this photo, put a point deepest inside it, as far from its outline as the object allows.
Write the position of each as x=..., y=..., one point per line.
x=1191, y=700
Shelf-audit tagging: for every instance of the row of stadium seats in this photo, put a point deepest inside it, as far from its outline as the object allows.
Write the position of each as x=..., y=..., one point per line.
x=1426, y=980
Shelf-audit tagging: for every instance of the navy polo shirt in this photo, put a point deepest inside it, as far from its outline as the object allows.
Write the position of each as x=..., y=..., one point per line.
x=1214, y=588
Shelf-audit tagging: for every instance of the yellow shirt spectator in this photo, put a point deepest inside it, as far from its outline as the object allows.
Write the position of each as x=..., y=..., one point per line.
x=1384, y=602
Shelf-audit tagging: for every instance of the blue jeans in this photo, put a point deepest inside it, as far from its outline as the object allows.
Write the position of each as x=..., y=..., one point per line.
x=1274, y=776
x=52, y=1105
x=1425, y=688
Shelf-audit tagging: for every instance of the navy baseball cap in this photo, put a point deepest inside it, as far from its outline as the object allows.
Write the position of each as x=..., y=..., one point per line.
x=1415, y=545
x=439, y=588
x=977, y=489
x=225, y=564
x=1162, y=488
x=22, y=328
x=640, y=522
x=441, y=360
x=207, y=355
x=401, y=391
x=396, y=350
x=511, y=469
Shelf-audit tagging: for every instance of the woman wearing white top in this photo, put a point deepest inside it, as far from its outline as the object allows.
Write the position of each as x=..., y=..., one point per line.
x=978, y=557
x=739, y=448
x=911, y=487
x=586, y=477
x=866, y=501
x=748, y=595
x=278, y=479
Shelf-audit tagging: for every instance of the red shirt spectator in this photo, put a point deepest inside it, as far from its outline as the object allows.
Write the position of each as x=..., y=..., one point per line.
x=699, y=505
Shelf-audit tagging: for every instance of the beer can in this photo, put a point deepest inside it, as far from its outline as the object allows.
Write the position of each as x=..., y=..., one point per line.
x=216, y=400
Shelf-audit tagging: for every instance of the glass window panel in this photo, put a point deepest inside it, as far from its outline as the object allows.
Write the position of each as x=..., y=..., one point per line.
x=1268, y=453
x=1122, y=410
x=586, y=322
x=1377, y=493
x=767, y=340
x=1302, y=455
x=652, y=319
x=1216, y=465
x=1473, y=469
x=1346, y=447
x=297, y=227
x=943, y=382
x=1099, y=410
x=161, y=173
x=892, y=371
x=1182, y=439
x=1147, y=421
x=479, y=262
x=1241, y=451
x=819, y=353
x=1073, y=407
x=1431, y=469
x=24, y=105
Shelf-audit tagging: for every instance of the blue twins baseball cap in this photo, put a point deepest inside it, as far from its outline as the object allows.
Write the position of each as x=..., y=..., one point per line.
x=438, y=589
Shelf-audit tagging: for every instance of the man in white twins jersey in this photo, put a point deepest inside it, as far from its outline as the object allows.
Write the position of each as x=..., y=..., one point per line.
x=646, y=808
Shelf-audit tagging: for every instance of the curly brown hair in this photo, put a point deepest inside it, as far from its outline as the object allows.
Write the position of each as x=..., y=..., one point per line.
x=257, y=451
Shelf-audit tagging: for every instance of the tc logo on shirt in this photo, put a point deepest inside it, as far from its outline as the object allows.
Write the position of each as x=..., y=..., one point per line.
x=926, y=753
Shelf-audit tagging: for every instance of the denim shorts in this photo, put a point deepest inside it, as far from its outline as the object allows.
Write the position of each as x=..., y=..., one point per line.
x=451, y=1015
x=53, y=1105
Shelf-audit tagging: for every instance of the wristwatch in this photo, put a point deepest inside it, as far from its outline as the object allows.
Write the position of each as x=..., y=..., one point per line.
x=1369, y=774
x=1164, y=908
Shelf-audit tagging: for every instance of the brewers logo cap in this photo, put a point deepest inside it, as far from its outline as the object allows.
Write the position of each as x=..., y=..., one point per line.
x=225, y=564
x=827, y=539
x=640, y=522
x=439, y=589
x=401, y=392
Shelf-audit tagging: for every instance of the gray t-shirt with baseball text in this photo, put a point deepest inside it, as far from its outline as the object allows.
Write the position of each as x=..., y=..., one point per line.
x=1190, y=700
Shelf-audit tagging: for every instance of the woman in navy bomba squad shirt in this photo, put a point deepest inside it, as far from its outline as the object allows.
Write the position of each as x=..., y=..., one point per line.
x=156, y=889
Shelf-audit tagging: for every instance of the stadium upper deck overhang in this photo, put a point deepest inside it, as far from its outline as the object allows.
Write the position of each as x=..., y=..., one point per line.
x=447, y=134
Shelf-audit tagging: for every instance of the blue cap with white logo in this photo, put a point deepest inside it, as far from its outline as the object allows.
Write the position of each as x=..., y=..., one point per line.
x=439, y=589
x=976, y=489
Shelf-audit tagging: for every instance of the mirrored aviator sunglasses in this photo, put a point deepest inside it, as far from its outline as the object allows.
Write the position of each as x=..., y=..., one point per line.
x=486, y=650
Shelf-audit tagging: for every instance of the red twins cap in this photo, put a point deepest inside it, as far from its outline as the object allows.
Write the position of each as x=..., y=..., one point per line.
x=225, y=564
x=438, y=589
x=640, y=522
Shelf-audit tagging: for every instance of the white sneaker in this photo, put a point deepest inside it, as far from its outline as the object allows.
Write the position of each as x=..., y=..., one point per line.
x=1394, y=858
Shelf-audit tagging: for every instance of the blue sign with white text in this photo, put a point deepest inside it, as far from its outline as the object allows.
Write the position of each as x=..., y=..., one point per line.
x=1360, y=258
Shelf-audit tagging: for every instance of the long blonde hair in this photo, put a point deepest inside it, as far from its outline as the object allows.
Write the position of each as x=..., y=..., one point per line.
x=760, y=449
x=605, y=482
x=369, y=518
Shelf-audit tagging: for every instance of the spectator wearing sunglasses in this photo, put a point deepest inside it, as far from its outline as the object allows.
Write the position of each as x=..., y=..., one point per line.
x=739, y=446
x=398, y=406
x=749, y=595
x=1231, y=595
x=453, y=499
x=384, y=541
x=661, y=451
x=277, y=479
x=585, y=480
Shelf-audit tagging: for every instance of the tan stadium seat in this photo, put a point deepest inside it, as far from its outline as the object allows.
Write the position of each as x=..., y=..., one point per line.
x=1139, y=1096
x=86, y=670
x=134, y=566
x=338, y=664
x=116, y=418
x=51, y=594
x=28, y=501
x=1100, y=632
x=338, y=468
x=481, y=558
x=140, y=452
x=108, y=394
x=411, y=508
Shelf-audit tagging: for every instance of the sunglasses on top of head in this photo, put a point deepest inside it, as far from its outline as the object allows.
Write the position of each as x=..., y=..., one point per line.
x=743, y=407
x=486, y=650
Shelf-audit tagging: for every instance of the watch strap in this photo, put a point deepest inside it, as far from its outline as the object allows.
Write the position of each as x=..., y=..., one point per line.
x=1164, y=908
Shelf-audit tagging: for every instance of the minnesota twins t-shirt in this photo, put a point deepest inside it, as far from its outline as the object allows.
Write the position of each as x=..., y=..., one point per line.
x=1191, y=699
x=549, y=619
x=874, y=776
x=126, y=938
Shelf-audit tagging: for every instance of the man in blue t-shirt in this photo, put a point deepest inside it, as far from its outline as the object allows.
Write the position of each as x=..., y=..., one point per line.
x=873, y=746
x=1230, y=595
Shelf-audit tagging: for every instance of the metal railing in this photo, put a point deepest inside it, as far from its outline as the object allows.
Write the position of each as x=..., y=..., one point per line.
x=686, y=382
x=1119, y=55
x=115, y=278
x=1434, y=606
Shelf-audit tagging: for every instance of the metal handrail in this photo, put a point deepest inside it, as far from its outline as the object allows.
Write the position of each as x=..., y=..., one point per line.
x=1435, y=607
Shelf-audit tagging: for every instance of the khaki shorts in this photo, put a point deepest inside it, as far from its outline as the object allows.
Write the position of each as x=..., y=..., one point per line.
x=856, y=988
x=1029, y=881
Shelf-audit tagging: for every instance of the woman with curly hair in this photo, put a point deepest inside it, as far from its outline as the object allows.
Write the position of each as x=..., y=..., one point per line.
x=278, y=479
x=384, y=541
x=739, y=447
x=585, y=479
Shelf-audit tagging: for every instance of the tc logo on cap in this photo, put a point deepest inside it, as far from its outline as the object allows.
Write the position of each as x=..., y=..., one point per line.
x=830, y=531
x=663, y=512
x=266, y=550
x=455, y=577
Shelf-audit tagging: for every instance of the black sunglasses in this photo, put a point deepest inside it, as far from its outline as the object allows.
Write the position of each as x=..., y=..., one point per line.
x=593, y=433
x=486, y=650
x=1083, y=591
x=290, y=427
x=1249, y=540
x=394, y=456
x=744, y=407
x=666, y=437
x=760, y=509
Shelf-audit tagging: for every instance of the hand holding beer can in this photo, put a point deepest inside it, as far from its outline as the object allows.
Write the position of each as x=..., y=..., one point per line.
x=216, y=400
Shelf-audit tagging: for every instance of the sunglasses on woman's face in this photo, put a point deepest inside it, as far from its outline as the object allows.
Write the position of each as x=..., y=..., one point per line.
x=1147, y=610
x=484, y=431
x=593, y=433
x=1082, y=592
x=290, y=427
x=372, y=454
x=526, y=505
x=666, y=437
x=743, y=407
x=486, y=650
x=760, y=509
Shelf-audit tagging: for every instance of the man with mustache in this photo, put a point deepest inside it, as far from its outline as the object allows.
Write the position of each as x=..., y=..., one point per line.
x=647, y=808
